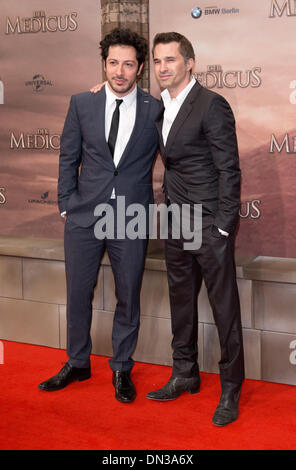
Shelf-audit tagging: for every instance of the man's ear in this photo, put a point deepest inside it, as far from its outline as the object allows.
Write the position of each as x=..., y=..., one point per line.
x=140, y=70
x=190, y=64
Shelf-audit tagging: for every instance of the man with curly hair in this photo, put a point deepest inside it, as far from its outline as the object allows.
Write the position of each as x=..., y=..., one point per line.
x=108, y=147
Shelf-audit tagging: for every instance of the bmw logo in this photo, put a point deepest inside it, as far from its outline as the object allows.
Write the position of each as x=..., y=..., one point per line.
x=196, y=12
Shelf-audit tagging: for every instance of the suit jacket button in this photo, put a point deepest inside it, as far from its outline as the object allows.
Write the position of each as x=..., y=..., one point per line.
x=115, y=173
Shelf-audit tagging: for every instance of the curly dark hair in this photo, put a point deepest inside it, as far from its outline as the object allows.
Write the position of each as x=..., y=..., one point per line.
x=125, y=37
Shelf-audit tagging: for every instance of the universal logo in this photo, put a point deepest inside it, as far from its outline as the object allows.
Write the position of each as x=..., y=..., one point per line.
x=216, y=77
x=42, y=200
x=38, y=83
x=39, y=22
x=1, y=92
x=197, y=12
x=287, y=143
x=41, y=140
x=2, y=196
x=278, y=7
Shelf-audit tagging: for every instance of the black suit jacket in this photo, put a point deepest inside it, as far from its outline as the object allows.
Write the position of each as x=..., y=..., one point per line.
x=87, y=174
x=201, y=157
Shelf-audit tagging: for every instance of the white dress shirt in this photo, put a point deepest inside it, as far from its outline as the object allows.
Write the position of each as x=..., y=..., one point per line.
x=172, y=107
x=127, y=117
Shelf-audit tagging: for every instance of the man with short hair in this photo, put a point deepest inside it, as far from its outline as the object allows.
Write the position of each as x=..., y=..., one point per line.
x=108, y=147
x=199, y=149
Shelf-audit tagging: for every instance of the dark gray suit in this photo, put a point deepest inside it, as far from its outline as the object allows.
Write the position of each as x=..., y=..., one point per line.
x=201, y=160
x=87, y=176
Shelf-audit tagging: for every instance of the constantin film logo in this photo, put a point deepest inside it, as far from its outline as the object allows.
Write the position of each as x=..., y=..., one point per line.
x=38, y=83
x=197, y=12
x=41, y=140
x=216, y=77
x=278, y=7
x=40, y=22
x=43, y=199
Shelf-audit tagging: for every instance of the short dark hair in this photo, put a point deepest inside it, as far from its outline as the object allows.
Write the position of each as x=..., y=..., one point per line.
x=125, y=37
x=185, y=46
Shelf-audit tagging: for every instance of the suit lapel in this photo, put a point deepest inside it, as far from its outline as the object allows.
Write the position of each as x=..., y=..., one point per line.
x=158, y=124
x=182, y=115
x=99, y=104
x=142, y=112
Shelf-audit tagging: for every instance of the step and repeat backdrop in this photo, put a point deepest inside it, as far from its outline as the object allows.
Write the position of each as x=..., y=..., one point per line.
x=48, y=51
x=244, y=51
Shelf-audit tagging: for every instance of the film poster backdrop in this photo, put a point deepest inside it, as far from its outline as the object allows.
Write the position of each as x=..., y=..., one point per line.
x=244, y=51
x=49, y=51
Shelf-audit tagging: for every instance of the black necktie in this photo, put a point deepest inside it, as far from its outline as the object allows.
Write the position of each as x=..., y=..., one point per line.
x=114, y=127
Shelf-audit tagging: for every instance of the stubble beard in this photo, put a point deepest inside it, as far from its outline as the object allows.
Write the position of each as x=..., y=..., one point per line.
x=121, y=91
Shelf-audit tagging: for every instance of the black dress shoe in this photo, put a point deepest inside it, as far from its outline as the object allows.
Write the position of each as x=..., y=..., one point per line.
x=125, y=391
x=227, y=409
x=174, y=388
x=66, y=375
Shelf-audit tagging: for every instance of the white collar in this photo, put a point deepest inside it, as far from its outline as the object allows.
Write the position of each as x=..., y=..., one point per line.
x=167, y=100
x=127, y=99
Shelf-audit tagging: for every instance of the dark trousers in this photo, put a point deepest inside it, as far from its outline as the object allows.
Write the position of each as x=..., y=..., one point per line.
x=83, y=255
x=213, y=262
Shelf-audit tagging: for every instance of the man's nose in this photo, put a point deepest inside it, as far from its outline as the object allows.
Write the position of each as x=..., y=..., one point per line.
x=163, y=67
x=119, y=69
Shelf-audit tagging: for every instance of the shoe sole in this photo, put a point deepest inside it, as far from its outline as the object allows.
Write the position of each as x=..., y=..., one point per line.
x=193, y=391
x=225, y=424
x=125, y=401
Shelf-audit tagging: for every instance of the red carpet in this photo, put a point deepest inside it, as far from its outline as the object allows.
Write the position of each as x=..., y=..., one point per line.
x=85, y=415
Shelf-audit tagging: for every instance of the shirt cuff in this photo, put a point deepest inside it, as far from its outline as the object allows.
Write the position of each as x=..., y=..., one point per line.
x=226, y=234
x=63, y=213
